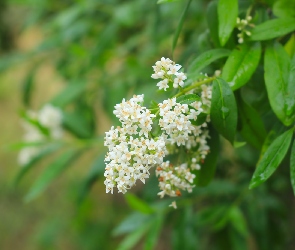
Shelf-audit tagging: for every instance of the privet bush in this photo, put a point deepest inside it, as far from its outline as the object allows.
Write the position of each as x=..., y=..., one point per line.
x=173, y=124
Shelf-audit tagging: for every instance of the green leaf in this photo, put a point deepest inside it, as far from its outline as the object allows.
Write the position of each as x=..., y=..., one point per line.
x=133, y=238
x=138, y=204
x=272, y=29
x=167, y=1
x=227, y=17
x=239, y=144
x=51, y=172
x=238, y=221
x=44, y=152
x=290, y=46
x=133, y=222
x=95, y=172
x=207, y=171
x=271, y=158
x=188, y=99
x=284, y=8
x=250, y=125
x=241, y=64
x=206, y=59
x=224, y=109
x=280, y=82
x=28, y=87
x=69, y=94
x=179, y=27
x=154, y=232
x=77, y=124
x=212, y=20
x=268, y=140
x=292, y=167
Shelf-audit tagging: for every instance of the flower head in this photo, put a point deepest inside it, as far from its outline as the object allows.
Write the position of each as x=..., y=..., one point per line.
x=167, y=70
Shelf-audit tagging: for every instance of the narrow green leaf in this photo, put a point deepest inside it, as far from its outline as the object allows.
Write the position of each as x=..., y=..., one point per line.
x=28, y=87
x=179, y=27
x=188, y=99
x=250, y=125
x=268, y=140
x=51, y=172
x=95, y=172
x=227, y=17
x=76, y=124
x=284, y=8
x=292, y=167
x=206, y=59
x=207, y=171
x=239, y=144
x=290, y=46
x=280, y=83
x=272, y=29
x=44, y=152
x=271, y=158
x=132, y=222
x=154, y=232
x=69, y=94
x=133, y=238
x=241, y=64
x=212, y=20
x=138, y=204
x=22, y=144
x=238, y=221
x=167, y=1
x=224, y=109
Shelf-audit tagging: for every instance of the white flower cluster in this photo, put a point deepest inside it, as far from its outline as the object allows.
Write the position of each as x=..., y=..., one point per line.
x=198, y=138
x=50, y=119
x=172, y=179
x=167, y=70
x=175, y=122
x=242, y=24
x=131, y=152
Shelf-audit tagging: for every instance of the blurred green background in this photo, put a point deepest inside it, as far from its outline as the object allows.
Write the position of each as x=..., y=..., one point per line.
x=97, y=52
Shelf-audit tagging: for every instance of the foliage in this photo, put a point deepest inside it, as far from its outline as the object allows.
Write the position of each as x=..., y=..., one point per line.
x=103, y=51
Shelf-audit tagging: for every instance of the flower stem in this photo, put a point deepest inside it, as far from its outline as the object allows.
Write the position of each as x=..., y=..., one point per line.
x=195, y=85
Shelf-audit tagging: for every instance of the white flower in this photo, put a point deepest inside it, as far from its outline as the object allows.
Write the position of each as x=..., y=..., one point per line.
x=174, y=121
x=50, y=116
x=131, y=150
x=27, y=154
x=172, y=179
x=179, y=79
x=163, y=84
x=32, y=134
x=167, y=70
x=173, y=69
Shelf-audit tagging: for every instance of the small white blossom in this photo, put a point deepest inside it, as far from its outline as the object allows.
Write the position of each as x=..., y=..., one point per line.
x=163, y=84
x=50, y=116
x=167, y=70
x=27, y=154
x=242, y=25
x=173, y=204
